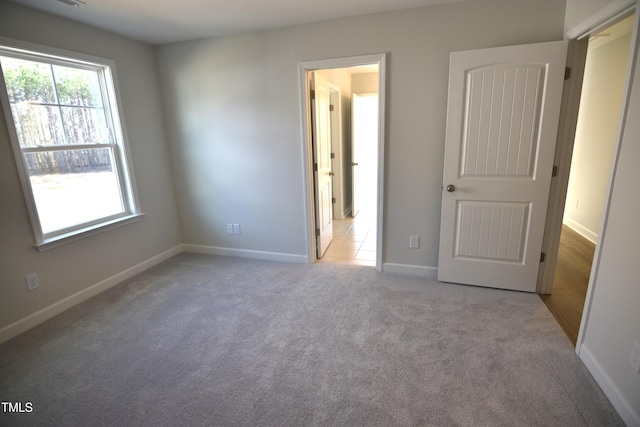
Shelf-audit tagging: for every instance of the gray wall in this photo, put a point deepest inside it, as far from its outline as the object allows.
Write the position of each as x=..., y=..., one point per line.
x=233, y=119
x=72, y=268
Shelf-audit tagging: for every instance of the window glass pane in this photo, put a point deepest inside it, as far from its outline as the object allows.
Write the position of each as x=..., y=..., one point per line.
x=28, y=81
x=73, y=187
x=37, y=124
x=77, y=87
x=71, y=112
x=85, y=125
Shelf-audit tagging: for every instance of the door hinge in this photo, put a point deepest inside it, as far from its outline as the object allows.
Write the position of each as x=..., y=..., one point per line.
x=333, y=200
x=554, y=172
x=317, y=232
x=542, y=257
x=313, y=94
x=315, y=167
x=330, y=107
x=567, y=73
x=333, y=155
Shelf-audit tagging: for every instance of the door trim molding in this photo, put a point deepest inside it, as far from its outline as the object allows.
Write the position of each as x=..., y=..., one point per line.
x=307, y=159
x=633, y=58
x=602, y=18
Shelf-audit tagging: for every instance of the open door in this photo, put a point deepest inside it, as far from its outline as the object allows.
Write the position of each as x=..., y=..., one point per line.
x=502, y=121
x=321, y=140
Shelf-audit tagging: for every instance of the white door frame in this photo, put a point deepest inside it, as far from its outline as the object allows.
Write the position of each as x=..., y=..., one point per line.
x=304, y=68
x=566, y=133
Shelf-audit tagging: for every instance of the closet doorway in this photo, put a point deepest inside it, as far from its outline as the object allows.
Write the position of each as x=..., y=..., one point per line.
x=591, y=163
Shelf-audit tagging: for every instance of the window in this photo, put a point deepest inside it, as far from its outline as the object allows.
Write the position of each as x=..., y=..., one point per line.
x=66, y=133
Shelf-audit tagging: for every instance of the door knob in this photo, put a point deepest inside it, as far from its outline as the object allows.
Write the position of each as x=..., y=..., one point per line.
x=331, y=173
x=451, y=188
x=354, y=164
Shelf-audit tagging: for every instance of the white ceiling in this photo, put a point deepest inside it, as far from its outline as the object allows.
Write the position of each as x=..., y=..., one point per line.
x=167, y=21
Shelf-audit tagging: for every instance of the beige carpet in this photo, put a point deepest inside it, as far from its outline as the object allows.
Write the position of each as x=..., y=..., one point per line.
x=203, y=340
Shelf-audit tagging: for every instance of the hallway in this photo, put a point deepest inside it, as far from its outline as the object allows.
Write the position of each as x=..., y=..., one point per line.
x=354, y=240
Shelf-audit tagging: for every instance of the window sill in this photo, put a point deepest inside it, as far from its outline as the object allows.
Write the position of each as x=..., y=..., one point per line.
x=86, y=232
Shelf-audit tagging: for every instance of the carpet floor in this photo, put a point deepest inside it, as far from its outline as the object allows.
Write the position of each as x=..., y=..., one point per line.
x=206, y=340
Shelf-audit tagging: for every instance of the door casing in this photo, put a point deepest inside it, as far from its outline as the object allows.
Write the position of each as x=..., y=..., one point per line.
x=304, y=69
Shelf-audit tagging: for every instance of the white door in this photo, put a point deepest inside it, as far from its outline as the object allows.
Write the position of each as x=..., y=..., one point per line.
x=502, y=121
x=364, y=151
x=321, y=136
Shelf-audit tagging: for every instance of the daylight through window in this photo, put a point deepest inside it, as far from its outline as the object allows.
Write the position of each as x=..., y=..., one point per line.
x=68, y=140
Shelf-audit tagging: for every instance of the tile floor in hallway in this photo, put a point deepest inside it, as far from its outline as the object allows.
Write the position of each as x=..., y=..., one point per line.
x=354, y=240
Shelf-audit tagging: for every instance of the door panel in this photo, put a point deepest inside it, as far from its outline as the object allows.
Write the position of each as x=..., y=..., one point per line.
x=364, y=128
x=321, y=138
x=502, y=120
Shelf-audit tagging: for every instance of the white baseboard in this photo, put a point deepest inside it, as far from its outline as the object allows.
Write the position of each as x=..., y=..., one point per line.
x=244, y=253
x=54, y=309
x=410, y=270
x=581, y=230
x=626, y=411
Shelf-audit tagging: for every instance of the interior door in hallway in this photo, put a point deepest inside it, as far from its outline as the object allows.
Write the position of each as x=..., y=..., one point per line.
x=502, y=121
x=364, y=154
x=321, y=139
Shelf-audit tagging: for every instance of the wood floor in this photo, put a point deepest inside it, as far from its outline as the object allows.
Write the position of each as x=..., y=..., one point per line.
x=570, y=281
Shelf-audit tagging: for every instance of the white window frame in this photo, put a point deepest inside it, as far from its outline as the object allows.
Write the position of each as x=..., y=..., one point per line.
x=119, y=144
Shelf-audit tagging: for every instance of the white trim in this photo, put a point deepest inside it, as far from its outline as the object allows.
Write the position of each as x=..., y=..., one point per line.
x=581, y=230
x=345, y=62
x=245, y=253
x=625, y=409
x=56, y=308
x=602, y=18
x=63, y=239
x=410, y=270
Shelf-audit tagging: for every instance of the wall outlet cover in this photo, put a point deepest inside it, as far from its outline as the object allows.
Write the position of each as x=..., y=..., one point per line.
x=32, y=281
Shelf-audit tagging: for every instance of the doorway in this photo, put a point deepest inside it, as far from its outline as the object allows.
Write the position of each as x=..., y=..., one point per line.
x=591, y=162
x=356, y=233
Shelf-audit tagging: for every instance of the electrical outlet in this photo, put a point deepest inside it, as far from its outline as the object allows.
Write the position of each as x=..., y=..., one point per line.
x=236, y=228
x=414, y=242
x=32, y=282
x=229, y=228
x=634, y=359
